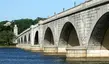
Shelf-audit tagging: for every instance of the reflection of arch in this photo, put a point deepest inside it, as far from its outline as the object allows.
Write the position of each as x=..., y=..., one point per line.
x=36, y=41
x=48, y=37
x=100, y=33
x=25, y=39
x=68, y=36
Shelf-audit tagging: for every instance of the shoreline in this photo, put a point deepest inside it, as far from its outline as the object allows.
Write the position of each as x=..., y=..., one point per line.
x=7, y=46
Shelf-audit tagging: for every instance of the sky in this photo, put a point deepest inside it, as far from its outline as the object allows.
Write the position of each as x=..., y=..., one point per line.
x=20, y=9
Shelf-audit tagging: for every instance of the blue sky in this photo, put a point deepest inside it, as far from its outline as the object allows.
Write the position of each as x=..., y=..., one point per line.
x=18, y=9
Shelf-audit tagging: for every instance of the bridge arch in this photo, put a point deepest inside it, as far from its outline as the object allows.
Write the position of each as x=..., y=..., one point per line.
x=18, y=40
x=36, y=39
x=25, y=39
x=21, y=39
x=68, y=37
x=29, y=38
x=48, y=37
x=100, y=35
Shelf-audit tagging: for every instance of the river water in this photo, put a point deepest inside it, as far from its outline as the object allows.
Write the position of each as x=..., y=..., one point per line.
x=19, y=56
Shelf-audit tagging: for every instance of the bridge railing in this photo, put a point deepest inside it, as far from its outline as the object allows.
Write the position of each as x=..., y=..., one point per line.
x=79, y=8
x=28, y=29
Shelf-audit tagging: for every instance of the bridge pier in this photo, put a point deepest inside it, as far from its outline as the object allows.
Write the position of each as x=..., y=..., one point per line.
x=62, y=51
x=24, y=46
x=36, y=48
x=76, y=54
x=50, y=50
x=20, y=46
x=97, y=55
x=84, y=54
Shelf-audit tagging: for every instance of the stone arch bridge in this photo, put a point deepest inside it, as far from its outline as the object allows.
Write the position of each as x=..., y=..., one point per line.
x=82, y=31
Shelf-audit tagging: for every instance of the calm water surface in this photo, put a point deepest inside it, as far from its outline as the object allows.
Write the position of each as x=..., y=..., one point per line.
x=19, y=56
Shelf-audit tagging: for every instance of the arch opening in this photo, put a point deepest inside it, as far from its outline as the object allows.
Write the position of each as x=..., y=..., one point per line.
x=21, y=40
x=25, y=39
x=36, y=41
x=100, y=34
x=68, y=36
x=18, y=41
x=29, y=38
x=48, y=38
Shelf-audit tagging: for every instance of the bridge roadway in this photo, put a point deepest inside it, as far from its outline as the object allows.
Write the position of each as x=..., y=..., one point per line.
x=81, y=32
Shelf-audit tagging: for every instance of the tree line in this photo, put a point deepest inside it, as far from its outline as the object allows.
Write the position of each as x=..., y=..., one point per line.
x=6, y=28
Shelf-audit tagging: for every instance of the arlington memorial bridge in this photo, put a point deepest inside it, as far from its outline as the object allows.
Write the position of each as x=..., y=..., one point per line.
x=80, y=32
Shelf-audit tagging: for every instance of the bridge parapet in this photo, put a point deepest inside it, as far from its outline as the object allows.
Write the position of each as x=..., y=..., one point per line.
x=24, y=32
x=34, y=26
x=84, y=6
x=28, y=29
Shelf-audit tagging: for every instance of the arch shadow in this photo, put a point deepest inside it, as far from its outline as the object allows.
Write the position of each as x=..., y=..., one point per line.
x=25, y=39
x=68, y=36
x=36, y=39
x=100, y=35
x=21, y=40
x=29, y=38
x=48, y=37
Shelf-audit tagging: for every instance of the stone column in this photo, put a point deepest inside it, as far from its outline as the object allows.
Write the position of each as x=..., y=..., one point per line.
x=27, y=39
x=41, y=36
x=50, y=50
x=20, y=40
x=78, y=53
x=23, y=40
x=31, y=36
x=15, y=30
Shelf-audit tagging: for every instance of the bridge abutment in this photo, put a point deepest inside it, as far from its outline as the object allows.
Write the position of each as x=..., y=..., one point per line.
x=36, y=48
x=24, y=46
x=76, y=53
x=84, y=54
x=62, y=51
x=50, y=50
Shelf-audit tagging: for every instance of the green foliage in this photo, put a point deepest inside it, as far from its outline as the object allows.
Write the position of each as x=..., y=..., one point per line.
x=26, y=23
x=38, y=19
x=6, y=32
x=1, y=25
x=23, y=24
x=6, y=35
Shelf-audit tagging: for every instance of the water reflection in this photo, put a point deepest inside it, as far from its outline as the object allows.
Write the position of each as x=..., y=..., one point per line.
x=19, y=56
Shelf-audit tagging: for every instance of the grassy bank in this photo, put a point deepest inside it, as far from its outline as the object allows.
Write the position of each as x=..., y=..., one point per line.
x=8, y=46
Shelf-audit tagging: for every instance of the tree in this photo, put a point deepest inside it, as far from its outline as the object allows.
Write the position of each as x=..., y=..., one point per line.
x=38, y=19
x=23, y=24
x=6, y=37
x=6, y=31
x=26, y=23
